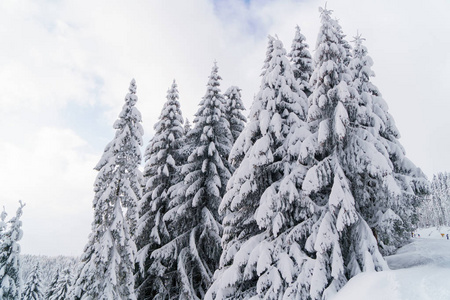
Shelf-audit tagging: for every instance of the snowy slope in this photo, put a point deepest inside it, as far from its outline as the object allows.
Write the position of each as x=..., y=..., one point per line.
x=419, y=271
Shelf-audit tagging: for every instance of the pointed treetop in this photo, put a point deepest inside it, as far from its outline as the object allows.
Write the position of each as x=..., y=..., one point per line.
x=298, y=33
x=358, y=39
x=131, y=97
x=19, y=210
x=215, y=67
x=132, y=87
x=214, y=78
x=324, y=12
x=172, y=88
x=269, y=51
x=3, y=215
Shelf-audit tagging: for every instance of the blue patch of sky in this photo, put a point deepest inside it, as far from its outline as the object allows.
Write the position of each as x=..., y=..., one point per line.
x=240, y=12
x=88, y=119
x=89, y=122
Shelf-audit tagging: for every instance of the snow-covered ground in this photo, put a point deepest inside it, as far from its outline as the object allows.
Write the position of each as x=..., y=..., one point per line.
x=419, y=271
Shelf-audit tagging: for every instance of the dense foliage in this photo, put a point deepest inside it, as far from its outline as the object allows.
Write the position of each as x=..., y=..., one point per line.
x=291, y=203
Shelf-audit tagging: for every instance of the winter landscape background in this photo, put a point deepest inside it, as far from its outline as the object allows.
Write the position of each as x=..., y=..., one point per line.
x=65, y=75
x=67, y=66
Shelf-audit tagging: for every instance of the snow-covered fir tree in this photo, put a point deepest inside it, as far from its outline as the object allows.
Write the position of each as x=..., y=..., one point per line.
x=109, y=256
x=186, y=144
x=341, y=241
x=52, y=286
x=440, y=194
x=345, y=151
x=259, y=208
x=301, y=61
x=343, y=41
x=61, y=286
x=388, y=199
x=33, y=287
x=435, y=211
x=233, y=111
x=192, y=255
x=10, y=265
x=187, y=126
x=49, y=266
x=163, y=158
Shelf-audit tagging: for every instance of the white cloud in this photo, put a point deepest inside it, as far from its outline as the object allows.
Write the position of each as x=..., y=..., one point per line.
x=53, y=175
x=66, y=65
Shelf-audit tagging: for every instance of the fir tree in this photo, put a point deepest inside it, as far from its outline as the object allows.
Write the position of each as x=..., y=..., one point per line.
x=341, y=241
x=53, y=284
x=10, y=266
x=435, y=210
x=388, y=200
x=187, y=126
x=344, y=43
x=193, y=253
x=257, y=211
x=237, y=154
x=233, y=111
x=301, y=61
x=62, y=287
x=33, y=287
x=186, y=143
x=343, y=152
x=440, y=197
x=162, y=171
x=109, y=256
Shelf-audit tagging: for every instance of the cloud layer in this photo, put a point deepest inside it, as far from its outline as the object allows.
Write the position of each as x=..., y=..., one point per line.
x=66, y=65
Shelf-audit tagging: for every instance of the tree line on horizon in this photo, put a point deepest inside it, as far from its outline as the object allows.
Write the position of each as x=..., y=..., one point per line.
x=291, y=203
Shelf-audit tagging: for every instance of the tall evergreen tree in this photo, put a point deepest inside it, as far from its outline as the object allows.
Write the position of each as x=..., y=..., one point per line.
x=61, y=288
x=52, y=287
x=388, y=202
x=301, y=61
x=351, y=168
x=33, y=287
x=194, y=250
x=341, y=241
x=435, y=210
x=109, y=256
x=440, y=195
x=163, y=158
x=187, y=126
x=257, y=211
x=233, y=111
x=10, y=266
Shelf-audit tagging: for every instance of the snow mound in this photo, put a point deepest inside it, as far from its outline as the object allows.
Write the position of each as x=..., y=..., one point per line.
x=419, y=271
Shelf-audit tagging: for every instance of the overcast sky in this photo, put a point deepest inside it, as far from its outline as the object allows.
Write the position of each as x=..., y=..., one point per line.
x=65, y=67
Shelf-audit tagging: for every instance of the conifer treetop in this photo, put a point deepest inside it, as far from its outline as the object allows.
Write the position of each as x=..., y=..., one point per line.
x=109, y=256
x=301, y=61
x=163, y=158
x=256, y=216
x=192, y=253
x=233, y=111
